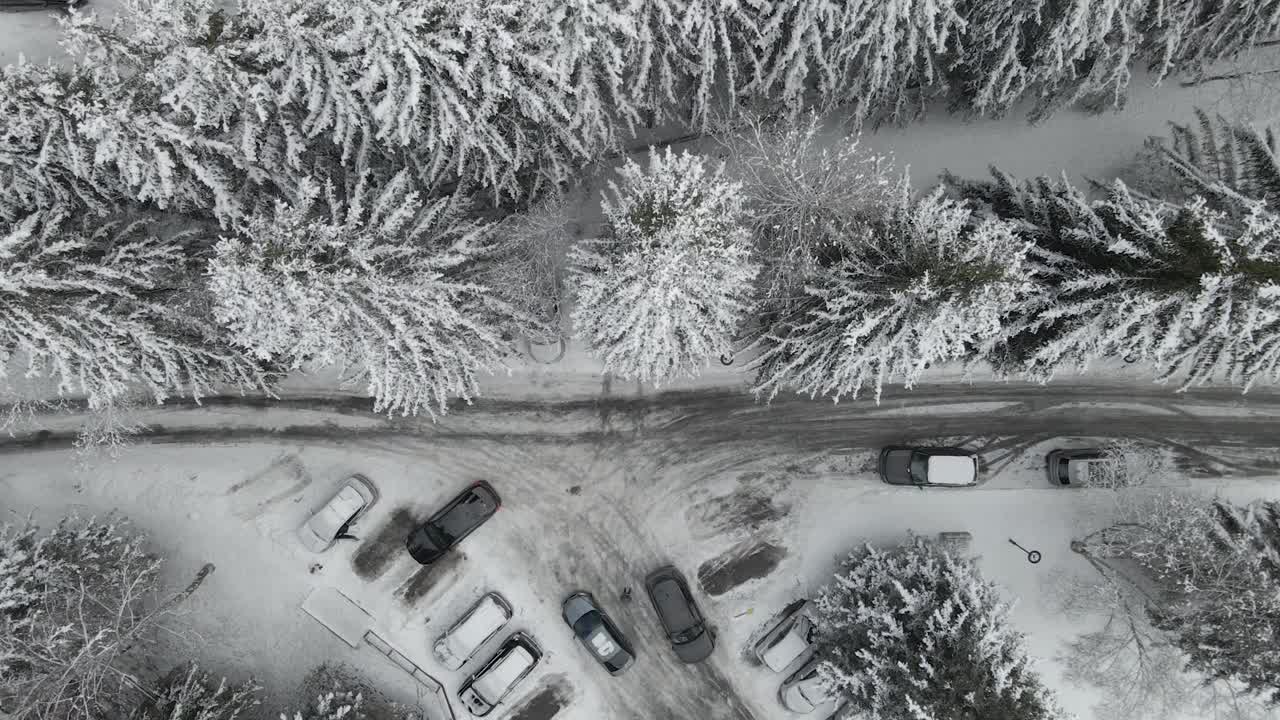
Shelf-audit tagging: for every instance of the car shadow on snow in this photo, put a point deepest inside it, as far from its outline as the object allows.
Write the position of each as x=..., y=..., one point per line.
x=741, y=563
x=380, y=549
x=429, y=577
x=545, y=703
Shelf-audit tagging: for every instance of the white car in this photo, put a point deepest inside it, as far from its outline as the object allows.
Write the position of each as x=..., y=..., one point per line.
x=352, y=500
x=804, y=691
x=787, y=643
x=470, y=633
x=482, y=692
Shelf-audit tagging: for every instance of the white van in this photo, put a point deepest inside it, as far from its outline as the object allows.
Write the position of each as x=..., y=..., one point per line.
x=469, y=634
x=517, y=657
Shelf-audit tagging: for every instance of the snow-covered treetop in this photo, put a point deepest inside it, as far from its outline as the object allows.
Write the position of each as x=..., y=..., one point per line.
x=102, y=308
x=1189, y=289
x=926, y=283
x=871, y=57
x=666, y=290
x=913, y=633
x=374, y=288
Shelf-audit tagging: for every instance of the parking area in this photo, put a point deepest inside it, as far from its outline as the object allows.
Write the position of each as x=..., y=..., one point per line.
x=752, y=528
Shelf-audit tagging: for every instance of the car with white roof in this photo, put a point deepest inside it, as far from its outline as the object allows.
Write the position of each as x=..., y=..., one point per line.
x=481, y=623
x=352, y=500
x=493, y=682
x=924, y=466
x=597, y=632
x=790, y=641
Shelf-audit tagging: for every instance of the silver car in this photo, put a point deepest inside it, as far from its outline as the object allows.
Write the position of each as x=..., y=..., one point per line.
x=791, y=640
x=804, y=691
x=352, y=500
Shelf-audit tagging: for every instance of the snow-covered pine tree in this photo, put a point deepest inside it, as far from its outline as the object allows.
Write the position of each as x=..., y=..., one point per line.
x=495, y=93
x=924, y=283
x=1224, y=162
x=668, y=287
x=1186, y=36
x=912, y=633
x=189, y=694
x=693, y=58
x=882, y=59
x=378, y=286
x=83, y=135
x=104, y=309
x=801, y=193
x=1062, y=53
x=1189, y=290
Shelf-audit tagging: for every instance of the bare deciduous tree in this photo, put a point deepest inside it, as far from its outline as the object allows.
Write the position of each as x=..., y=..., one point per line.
x=81, y=600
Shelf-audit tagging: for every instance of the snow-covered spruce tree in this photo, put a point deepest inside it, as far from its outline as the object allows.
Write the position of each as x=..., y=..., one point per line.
x=104, y=309
x=1063, y=53
x=881, y=59
x=1060, y=53
x=77, y=602
x=693, y=58
x=378, y=287
x=801, y=194
x=924, y=283
x=1225, y=162
x=912, y=633
x=189, y=694
x=1186, y=289
x=668, y=287
x=80, y=136
x=498, y=94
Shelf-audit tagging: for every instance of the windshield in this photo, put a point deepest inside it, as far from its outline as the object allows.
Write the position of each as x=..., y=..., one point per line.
x=919, y=467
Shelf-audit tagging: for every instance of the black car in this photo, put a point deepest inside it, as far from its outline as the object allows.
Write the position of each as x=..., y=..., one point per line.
x=432, y=539
x=690, y=637
x=39, y=4
x=597, y=633
x=490, y=685
x=928, y=466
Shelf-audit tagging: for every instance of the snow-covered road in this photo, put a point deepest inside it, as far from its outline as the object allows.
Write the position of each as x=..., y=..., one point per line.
x=753, y=502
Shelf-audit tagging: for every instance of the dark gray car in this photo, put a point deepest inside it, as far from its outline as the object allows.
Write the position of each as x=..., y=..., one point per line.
x=690, y=637
x=597, y=633
x=928, y=466
x=39, y=4
x=431, y=540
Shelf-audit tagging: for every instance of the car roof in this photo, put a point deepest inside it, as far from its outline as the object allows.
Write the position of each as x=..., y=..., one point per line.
x=502, y=675
x=472, y=505
x=951, y=470
x=673, y=605
x=483, y=620
x=789, y=646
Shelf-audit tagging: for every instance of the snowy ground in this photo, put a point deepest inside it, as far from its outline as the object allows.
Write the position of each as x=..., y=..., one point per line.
x=753, y=503
x=603, y=481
